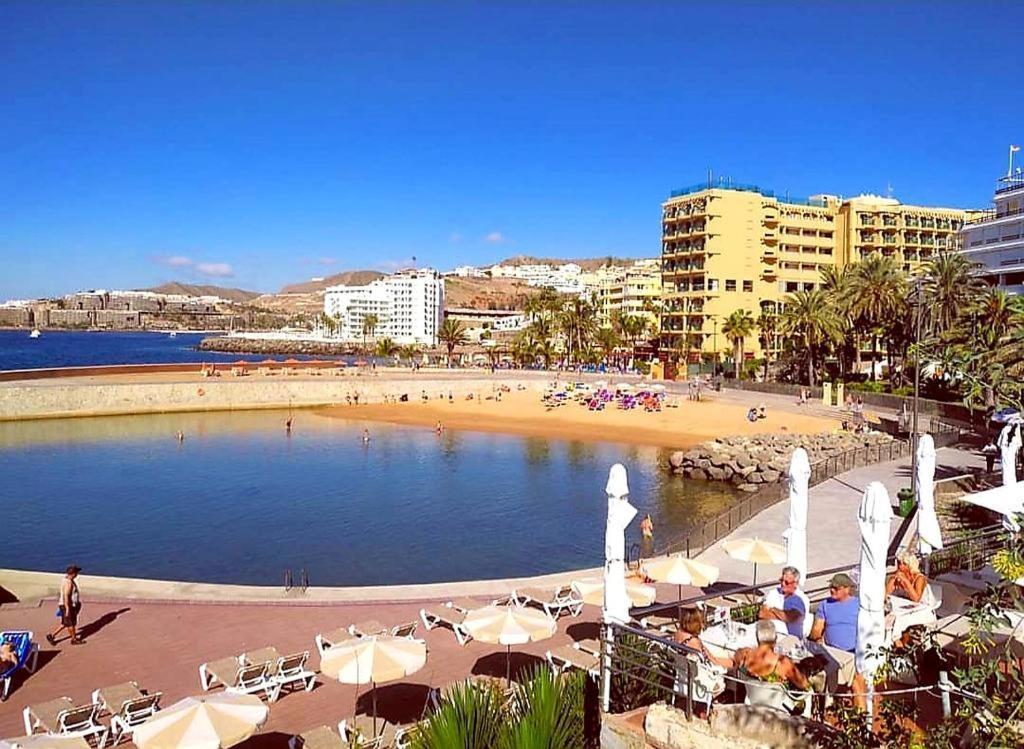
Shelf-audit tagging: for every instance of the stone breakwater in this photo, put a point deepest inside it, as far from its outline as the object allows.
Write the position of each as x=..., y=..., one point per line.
x=268, y=346
x=749, y=462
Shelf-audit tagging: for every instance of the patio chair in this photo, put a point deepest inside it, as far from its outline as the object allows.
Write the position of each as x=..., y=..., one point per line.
x=708, y=681
x=368, y=628
x=325, y=640
x=291, y=670
x=554, y=602
x=446, y=616
x=61, y=717
x=127, y=706
x=28, y=657
x=321, y=737
x=570, y=656
x=238, y=676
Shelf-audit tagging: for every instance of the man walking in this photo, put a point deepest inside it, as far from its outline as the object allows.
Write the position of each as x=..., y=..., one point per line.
x=70, y=605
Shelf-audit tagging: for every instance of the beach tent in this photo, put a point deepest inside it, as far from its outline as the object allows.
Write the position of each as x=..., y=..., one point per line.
x=796, y=535
x=1007, y=500
x=875, y=520
x=929, y=534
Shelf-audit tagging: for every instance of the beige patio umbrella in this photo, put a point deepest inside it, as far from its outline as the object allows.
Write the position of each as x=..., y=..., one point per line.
x=213, y=721
x=45, y=741
x=508, y=626
x=755, y=550
x=369, y=660
x=591, y=590
x=677, y=570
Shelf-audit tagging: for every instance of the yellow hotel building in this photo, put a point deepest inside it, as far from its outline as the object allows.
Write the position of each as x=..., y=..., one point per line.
x=742, y=247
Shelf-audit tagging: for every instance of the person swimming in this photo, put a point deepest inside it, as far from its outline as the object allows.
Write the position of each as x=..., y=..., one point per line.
x=181, y=436
x=366, y=436
x=288, y=426
x=440, y=427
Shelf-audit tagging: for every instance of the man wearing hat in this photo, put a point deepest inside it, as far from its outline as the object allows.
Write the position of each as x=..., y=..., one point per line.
x=70, y=605
x=836, y=619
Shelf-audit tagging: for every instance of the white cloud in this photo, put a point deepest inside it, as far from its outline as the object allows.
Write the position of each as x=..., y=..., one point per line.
x=217, y=270
x=455, y=237
x=495, y=237
x=178, y=261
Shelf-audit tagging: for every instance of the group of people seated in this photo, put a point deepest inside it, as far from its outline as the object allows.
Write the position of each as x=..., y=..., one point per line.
x=786, y=609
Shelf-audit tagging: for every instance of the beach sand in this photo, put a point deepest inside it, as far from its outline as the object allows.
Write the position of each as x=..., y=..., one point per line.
x=522, y=412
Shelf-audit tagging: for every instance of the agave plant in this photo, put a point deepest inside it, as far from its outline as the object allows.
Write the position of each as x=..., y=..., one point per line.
x=544, y=712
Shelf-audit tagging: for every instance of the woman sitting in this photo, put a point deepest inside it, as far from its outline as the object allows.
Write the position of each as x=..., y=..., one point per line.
x=764, y=663
x=908, y=581
x=691, y=624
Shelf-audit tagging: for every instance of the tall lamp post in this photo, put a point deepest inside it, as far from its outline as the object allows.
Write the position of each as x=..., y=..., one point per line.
x=917, y=382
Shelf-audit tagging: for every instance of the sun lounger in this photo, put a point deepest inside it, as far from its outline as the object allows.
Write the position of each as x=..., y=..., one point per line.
x=368, y=628
x=28, y=656
x=325, y=640
x=571, y=656
x=237, y=675
x=61, y=717
x=291, y=670
x=447, y=616
x=127, y=706
x=554, y=602
x=321, y=737
x=465, y=605
x=408, y=629
x=359, y=731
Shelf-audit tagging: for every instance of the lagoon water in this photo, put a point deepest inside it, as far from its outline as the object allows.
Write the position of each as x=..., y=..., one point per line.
x=240, y=501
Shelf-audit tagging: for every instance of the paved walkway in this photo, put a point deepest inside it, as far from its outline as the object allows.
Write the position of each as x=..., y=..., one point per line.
x=833, y=538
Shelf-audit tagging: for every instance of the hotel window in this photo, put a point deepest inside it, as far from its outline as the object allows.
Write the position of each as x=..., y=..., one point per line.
x=730, y=284
x=748, y=285
x=791, y=286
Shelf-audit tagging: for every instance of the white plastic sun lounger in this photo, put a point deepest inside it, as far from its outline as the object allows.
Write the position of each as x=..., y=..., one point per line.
x=291, y=670
x=572, y=656
x=444, y=616
x=61, y=717
x=128, y=708
x=554, y=602
x=321, y=737
x=239, y=676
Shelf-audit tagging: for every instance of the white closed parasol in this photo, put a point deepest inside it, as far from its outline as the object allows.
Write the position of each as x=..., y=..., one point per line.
x=874, y=519
x=796, y=535
x=620, y=515
x=929, y=534
x=1009, y=443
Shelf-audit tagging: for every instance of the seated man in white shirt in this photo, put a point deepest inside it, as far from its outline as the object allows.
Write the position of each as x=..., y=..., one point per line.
x=786, y=606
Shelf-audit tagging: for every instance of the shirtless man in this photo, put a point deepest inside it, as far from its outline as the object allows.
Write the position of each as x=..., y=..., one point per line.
x=70, y=605
x=763, y=661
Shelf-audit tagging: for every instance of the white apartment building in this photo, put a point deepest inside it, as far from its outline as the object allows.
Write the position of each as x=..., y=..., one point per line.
x=565, y=278
x=995, y=239
x=468, y=271
x=409, y=306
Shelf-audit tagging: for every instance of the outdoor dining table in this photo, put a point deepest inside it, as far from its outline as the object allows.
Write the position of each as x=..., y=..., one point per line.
x=724, y=640
x=906, y=613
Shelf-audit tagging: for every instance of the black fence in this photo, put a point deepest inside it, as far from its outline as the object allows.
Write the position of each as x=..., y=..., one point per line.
x=971, y=551
x=714, y=529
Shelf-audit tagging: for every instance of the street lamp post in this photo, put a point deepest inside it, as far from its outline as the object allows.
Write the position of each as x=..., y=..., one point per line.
x=917, y=383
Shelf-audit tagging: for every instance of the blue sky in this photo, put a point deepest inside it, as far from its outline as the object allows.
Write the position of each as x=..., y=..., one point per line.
x=254, y=143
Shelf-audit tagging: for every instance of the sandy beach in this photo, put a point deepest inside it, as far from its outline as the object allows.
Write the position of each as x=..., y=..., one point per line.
x=522, y=412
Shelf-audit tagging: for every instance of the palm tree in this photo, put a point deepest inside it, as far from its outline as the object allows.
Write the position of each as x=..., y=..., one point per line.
x=810, y=316
x=768, y=327
x=736, y=328
x=409, y=352
x=524, y=347
x=386, y=348
x=577, y=321
x=876, y=295
x=370, y=323
x=452, y=334
x=608, y=340
x=835, y=282
x=951, y=286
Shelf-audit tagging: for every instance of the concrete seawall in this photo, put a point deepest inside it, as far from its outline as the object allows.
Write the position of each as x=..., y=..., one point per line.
x=56, y=397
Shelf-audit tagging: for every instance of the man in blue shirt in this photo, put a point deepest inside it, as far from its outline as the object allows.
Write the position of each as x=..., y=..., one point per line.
x=836, y=619
x=786, y=606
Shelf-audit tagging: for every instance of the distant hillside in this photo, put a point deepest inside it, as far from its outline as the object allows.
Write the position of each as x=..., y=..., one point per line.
x=487, y=293
x=348, y=278
x=190, y=289
x=585, y=263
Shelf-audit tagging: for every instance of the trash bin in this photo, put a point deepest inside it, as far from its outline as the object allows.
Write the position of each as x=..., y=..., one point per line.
x=906, y=498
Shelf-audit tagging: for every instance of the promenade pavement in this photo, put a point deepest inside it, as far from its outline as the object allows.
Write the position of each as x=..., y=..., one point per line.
x=833, y=538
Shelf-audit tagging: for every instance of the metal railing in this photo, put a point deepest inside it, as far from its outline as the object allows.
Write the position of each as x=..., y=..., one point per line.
x=969, y=552
x=714, y=529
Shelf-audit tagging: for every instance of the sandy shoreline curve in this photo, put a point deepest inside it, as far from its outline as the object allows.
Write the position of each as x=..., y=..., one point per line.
x=522, y=412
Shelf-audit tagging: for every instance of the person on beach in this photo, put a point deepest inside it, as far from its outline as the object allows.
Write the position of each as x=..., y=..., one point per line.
x=8, y=656
x=647, y=527
x=181, y=436
x=288, y=425
x=451, y=397
x=69, y=608
x=440, y=428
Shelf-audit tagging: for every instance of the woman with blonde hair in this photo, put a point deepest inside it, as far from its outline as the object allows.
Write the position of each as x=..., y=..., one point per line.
x=908, y=581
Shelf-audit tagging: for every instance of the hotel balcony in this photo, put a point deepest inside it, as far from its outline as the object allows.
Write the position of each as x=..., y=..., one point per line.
x=890, y=239
x=769, y=274
x=770, y=218
x=769, y=255
x=770, y=237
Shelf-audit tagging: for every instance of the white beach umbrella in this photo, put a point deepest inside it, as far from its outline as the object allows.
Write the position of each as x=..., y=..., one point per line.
x=796, y=535
x=591, y=590
x=929, y=534
x=755, y=550
x=620, y=515
x=1009, y=443
x=369, y=660
x=45, y=741
x=213, y=721
x=874, y=519
x=678, y=570
x=1007, y=500
x=508, y=626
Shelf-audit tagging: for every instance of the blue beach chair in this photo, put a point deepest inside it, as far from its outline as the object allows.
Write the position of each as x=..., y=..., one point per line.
x=28, y=654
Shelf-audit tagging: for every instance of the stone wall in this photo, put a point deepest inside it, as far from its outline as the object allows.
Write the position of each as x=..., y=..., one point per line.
x=14, y=316
x=748, y=462
x=238, y=345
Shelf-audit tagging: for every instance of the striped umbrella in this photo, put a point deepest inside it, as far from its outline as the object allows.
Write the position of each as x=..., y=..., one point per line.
x=213, y=721
x=508, y=626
